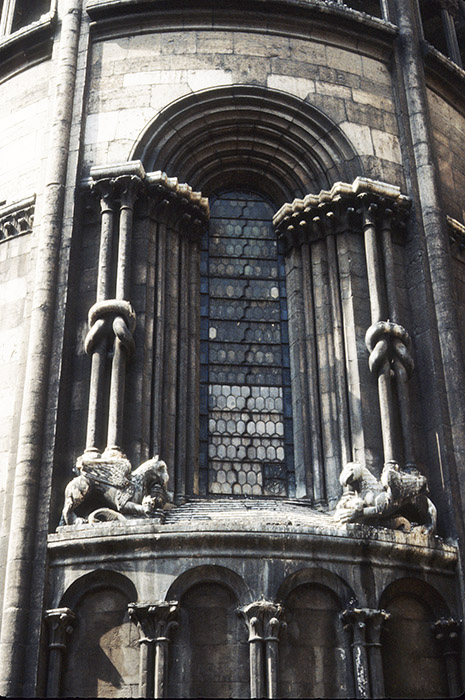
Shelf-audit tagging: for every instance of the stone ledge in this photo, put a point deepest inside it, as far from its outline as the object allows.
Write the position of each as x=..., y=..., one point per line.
x=28, y=45
x=300, y=532
x=102, y=12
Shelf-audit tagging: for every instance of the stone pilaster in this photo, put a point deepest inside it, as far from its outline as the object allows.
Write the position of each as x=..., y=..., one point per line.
x=364, y=626
x=156, y=622
x=60, y=622
x=263, y=620
x=447, y=632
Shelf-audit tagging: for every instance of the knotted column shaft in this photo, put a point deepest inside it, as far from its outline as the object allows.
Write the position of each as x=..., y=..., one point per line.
x=376, y=299
x=155, y=623
x=128, y=187
x=60, y=625
x=105, y=189
x=447, y=631
x=402, y=363
x=263, y=622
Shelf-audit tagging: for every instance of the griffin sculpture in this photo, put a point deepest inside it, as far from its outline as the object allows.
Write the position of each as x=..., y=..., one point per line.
x=140, y=493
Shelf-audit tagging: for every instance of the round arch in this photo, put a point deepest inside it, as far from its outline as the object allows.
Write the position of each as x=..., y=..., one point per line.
x=208, y=574
x=246, y=136
x=419, y=589
x=95, y=581
x=318, y=577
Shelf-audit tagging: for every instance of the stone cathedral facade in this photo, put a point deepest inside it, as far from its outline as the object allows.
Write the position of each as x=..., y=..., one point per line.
x=232, y=313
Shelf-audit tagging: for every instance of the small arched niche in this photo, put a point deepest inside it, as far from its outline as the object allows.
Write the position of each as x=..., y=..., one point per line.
x=209, y=654
x=103, y=641
x=314, y=660
x=412, y=661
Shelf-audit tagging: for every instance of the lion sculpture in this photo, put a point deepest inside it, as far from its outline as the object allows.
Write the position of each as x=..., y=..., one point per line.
x=398, y=500
x=140, y=493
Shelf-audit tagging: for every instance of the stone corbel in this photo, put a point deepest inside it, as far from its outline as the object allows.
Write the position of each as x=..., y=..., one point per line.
x=448, y=631
x=60, y=623
x=263, y=620
x=363, y=626
x=156, y=622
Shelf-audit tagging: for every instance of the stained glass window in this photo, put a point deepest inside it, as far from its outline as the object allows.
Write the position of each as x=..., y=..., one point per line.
x=246, y=428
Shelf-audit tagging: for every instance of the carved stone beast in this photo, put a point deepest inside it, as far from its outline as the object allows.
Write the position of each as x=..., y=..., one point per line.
x=138, y=493
x=397, y=500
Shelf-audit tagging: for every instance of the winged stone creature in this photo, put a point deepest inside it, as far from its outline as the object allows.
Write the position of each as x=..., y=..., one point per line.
x=140, y=493
x=398, y=500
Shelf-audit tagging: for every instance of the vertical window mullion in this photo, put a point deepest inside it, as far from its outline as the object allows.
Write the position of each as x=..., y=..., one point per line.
x=451, y=37
x=7, y=17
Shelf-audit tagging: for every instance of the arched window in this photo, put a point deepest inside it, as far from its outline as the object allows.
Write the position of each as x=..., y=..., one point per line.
x=246, y=426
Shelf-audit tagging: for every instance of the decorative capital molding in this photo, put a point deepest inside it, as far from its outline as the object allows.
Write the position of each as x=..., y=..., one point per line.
x=155, y=621
x=263, y=620
x=340, y=209
x=362, y=617
x=17, y=218
x=447, y=631
x=127, y=182
x=60, y=623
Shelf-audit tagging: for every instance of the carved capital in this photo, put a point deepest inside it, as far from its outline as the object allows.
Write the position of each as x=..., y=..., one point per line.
x=60, y=623
x=155, y=621
x=263, y=620
x=447, y=631
x=105, y=190
x=128, y=188
x=365, y=623
x=343, y=208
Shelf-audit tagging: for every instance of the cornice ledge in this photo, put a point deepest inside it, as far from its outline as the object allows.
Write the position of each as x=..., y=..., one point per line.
x=30, y=34
x=104, y=10
x=158, y=181
x=342, y=190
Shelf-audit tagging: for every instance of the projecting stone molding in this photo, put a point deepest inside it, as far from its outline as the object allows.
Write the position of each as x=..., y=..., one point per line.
x=17, y=218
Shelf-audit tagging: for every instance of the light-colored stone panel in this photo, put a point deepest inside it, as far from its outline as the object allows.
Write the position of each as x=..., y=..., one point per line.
x=376, y=71
x=261, y=45
x=215, y=42
x=101, y=127
x=162, y=95
x=386, y=146
x=348, y=61
x=369, y=98
x=203, y=79
x=301, y=87
x=359, y=136
x=333, y=90
x=155, y=77
x=308, y=51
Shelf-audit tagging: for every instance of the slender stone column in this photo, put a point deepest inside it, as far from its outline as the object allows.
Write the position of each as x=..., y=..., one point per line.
x=105, y=189
x=263, y=622
x=60, y=623
x=402, y=360
x=155, y=621
x=382, y=367
x=447, y=631
x=128, y=187
x=22, y=543
x=364, y=626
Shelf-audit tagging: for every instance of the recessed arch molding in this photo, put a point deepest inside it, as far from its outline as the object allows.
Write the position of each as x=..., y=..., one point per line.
x=248, y=136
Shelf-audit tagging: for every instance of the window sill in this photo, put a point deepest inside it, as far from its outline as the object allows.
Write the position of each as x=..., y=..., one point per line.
x=27, y=45
x=445, y=72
